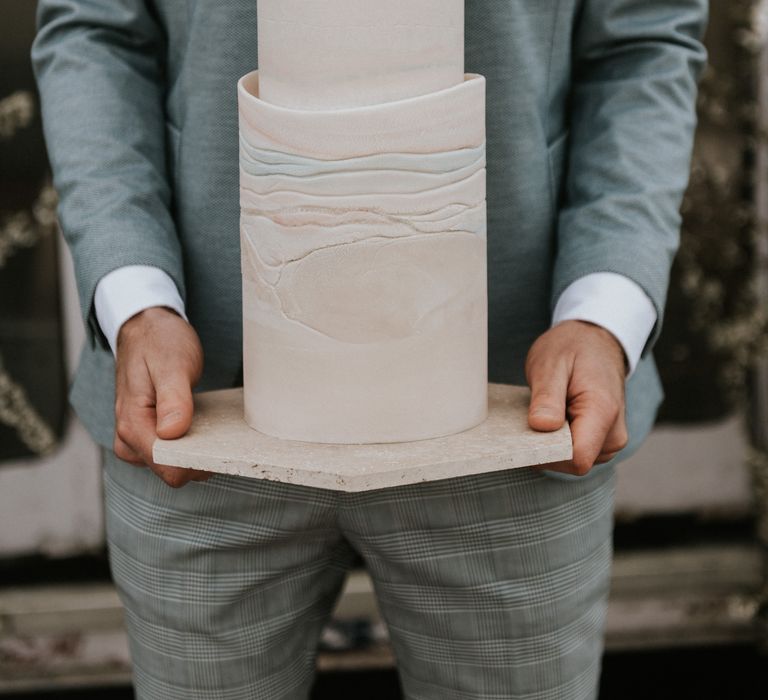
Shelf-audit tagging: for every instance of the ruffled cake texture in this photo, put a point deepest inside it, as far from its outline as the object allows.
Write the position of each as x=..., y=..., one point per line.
x=363, y=227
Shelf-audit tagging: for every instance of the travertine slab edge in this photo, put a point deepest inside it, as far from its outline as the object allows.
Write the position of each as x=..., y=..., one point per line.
x=220, y=441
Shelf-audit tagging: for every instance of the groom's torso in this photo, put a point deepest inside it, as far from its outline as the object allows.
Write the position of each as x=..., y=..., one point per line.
x=522, y=47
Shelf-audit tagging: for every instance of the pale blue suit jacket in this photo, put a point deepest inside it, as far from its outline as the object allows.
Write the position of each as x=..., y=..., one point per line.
x=591, y=115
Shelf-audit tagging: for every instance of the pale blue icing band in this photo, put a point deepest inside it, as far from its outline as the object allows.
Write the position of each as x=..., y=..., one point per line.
x=259, y=161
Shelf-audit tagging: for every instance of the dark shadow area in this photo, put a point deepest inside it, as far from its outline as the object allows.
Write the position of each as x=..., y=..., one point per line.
x=684, y=530
x=40, y=570
x=732, y=673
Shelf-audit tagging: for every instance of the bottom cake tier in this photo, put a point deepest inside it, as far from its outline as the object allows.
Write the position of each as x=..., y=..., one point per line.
x=363, y=238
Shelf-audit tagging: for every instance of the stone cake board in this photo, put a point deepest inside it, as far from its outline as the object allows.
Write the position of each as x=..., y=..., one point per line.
x=221, y=441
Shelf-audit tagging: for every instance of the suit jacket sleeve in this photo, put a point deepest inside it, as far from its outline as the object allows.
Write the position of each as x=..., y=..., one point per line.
x=99, y=68
x=632, y=120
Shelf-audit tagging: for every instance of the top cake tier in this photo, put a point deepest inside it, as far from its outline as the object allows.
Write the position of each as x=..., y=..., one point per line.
x=349, y=53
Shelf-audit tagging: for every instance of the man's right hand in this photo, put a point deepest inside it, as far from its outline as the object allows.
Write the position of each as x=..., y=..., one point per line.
x=159, y=360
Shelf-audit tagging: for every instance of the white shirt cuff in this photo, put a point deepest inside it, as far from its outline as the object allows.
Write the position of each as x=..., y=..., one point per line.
x=615, y=303
x=128, y=290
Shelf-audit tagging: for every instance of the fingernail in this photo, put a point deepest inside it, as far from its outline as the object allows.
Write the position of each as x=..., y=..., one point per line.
x=169, y=418
x=542, y=412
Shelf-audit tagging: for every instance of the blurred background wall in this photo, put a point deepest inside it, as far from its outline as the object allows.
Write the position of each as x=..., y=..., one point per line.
x=49, y=469
x=698, y=460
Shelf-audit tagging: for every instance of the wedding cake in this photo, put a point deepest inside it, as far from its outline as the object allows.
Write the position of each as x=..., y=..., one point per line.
x=363, y=223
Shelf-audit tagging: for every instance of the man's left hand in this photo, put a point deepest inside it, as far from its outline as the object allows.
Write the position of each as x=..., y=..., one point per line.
x=577, y=370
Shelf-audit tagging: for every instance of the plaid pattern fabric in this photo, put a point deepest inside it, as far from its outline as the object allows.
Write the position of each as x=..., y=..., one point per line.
x=492, y=586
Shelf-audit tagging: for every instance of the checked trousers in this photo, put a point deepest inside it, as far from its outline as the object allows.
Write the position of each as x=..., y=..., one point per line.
x=492, y=586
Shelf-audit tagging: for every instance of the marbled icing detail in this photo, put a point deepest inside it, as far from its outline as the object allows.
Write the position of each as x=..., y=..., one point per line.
x=364, y=275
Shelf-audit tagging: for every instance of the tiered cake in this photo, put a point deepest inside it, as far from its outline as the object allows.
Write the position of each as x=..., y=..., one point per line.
x=362, y=153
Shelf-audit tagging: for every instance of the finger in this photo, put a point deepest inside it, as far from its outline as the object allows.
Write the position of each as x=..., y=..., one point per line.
x=616, y=440
x=139, y=426
x=134, y=409
x=549, y=389
x=569, y=468
x=125, y=453
x=592, y=417
x=175, y=405
x=617, y=437
x=562, y=467
x=139, y=431
x=135, y=431
x=176, y=477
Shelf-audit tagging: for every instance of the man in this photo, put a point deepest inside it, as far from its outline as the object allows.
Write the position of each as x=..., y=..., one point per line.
x=492, y=586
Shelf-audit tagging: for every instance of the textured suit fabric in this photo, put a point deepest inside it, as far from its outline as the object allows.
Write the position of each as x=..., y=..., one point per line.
x=590, y=121
x=491, y=586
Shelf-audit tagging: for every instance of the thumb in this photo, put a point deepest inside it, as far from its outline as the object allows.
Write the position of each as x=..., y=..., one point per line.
x=174, y=406
x=549, y=390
